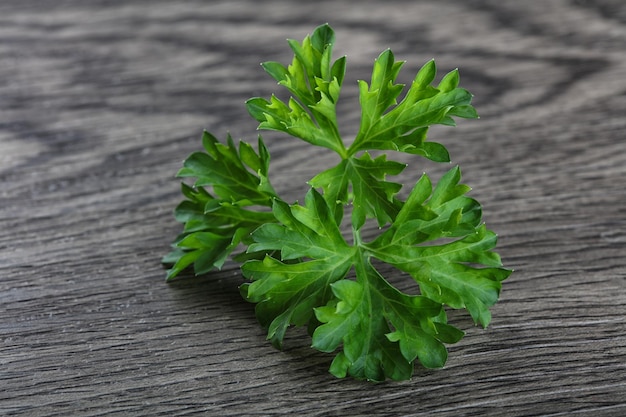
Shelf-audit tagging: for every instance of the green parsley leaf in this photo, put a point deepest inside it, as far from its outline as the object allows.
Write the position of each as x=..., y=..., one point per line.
x=315, y=83
x=302, y=266
x=372, y=196
x=287, y=292
x=216, y=224
x=362, y=317
x=446, y=272
x=401, y=127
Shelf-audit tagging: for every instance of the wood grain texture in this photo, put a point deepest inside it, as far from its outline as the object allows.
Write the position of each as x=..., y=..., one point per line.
x=99, y=103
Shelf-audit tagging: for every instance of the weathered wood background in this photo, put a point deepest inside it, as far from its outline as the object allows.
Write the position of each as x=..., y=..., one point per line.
x=100, y=101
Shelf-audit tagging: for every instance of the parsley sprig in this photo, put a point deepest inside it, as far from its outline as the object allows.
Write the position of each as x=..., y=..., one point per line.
x=300, y=268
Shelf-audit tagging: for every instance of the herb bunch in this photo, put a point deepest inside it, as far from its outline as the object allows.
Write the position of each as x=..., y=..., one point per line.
x=300, y=268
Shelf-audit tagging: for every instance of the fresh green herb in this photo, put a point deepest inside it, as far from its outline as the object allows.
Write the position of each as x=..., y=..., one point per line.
x=301, y=268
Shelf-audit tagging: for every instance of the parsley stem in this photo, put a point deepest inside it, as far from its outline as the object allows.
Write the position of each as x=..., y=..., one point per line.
x=356, y=236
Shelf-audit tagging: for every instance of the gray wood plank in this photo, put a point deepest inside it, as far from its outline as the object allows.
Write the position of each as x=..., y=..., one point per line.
x=100, y=102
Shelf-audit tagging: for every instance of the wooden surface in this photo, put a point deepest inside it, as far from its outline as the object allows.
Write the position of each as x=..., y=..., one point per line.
x=100, y=101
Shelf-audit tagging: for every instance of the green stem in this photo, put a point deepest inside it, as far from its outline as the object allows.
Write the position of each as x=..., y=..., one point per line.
x=356, y=236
